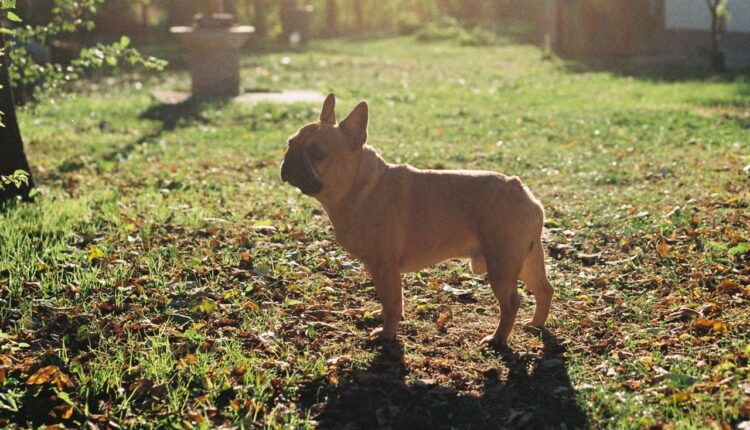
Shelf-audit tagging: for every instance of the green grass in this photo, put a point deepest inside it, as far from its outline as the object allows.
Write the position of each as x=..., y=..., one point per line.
x=172, y=276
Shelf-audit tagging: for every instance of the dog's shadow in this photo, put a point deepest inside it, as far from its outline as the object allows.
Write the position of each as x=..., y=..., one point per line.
x=537, y=393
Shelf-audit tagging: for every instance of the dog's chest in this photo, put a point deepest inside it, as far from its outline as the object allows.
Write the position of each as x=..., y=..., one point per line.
x=357, y=242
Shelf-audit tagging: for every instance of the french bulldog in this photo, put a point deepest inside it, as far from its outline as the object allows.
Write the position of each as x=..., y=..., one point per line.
x=397, y=219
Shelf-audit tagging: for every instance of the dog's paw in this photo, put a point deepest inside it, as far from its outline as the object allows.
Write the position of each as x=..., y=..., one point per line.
x=494, y=343
x=382, y=335
x=378, y=315
x=530, y=327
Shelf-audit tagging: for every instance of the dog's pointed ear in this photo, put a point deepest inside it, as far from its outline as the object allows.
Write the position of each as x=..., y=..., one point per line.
x=355, y=125
x=328, y=114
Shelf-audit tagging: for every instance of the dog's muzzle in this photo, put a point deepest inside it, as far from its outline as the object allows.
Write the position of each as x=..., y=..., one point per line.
x=296, y=170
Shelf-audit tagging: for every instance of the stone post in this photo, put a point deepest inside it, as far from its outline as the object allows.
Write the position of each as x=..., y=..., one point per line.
x=213, y=48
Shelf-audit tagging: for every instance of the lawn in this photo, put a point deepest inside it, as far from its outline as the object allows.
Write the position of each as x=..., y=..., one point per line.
x=166, y=277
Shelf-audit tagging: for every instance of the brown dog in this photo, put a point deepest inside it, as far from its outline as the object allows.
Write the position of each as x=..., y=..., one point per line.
x=397, y=219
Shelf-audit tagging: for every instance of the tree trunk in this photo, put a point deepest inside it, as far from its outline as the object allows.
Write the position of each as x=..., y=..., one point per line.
x=12, y=157
x=332, y=18
x=359, y=14
x=260, y=18
x=718, y=60
x=144, y=15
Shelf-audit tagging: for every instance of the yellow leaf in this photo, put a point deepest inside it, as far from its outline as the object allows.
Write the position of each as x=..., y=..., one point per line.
x=422, y=308
x=679, y=397
x=263, y=224
x=705, y=325
x=95, y=253
x=720, y=326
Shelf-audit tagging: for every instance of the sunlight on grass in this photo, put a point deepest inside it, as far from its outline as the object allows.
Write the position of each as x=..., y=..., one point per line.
x=190, y=287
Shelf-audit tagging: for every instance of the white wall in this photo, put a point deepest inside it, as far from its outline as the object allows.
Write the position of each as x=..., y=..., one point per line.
x=694, y=15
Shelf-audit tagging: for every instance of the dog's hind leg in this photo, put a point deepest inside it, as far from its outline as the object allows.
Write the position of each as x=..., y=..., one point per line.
x=503, y=268
x=534, y=275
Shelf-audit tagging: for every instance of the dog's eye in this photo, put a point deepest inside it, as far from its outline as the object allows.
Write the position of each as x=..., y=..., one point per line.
x=317, y=155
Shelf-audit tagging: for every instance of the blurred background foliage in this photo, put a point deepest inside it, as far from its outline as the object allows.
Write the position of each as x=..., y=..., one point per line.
x=60, y=41
x=148, y=21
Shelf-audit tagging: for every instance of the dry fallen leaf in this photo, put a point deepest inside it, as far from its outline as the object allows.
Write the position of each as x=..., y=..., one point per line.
x=246, y=262
x=730, y=287
x=43, y=376
x=705, y=325
x=662, y=249
x=250, y=306
x=682, y=314
x=63, y=381
x=186, y=361
x=446, y=314
x=63, y=412
x=239, y=371
x=51, y=374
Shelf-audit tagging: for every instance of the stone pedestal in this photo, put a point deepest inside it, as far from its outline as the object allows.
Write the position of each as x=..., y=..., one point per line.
x=214, y=57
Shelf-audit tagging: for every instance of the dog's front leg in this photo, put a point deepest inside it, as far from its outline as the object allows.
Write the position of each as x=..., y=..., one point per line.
x=388, y=286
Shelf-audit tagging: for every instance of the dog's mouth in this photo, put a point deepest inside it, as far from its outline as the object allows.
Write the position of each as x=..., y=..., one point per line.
x=296, y=170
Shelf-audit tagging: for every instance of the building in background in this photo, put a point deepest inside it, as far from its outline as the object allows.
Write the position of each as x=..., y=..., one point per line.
x=676, y=29
x=687, y=28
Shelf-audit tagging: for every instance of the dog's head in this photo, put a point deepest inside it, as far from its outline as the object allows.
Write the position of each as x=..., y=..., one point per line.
x=323, y=156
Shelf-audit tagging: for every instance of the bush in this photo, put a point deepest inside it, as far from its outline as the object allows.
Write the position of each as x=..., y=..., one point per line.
x=68, y=21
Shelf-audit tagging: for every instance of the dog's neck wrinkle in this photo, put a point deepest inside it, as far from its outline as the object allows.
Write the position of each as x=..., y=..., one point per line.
x=370, y=172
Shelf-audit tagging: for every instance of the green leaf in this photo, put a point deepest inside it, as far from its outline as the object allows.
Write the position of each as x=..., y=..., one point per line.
x=124, y=41
x=205, y=306
x=9, y=4
x=310, y=332
x=741, y=249
x=65, y=397
x=680, y=381
x=13, y=17
x=293, y=302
